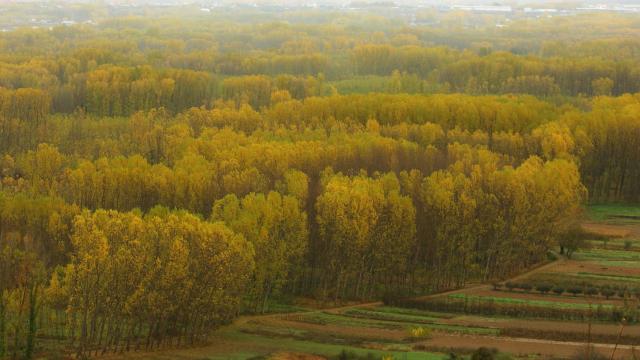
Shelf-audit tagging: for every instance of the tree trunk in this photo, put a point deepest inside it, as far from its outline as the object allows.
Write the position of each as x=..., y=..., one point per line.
x=33, y=326
x=3, y=327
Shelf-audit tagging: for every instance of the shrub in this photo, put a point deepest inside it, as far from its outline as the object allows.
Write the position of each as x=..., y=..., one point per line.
x=510, y=285
x=575, y=290
x=543, y=288
x=484, y=353
x=606, y=292
x=497, y=285
x=419, y=333
x=617, y=314
x=588, y=353
x=350, y=355
x=590, y=291
x=628, y=244
x=559, y=290
x=526, y=287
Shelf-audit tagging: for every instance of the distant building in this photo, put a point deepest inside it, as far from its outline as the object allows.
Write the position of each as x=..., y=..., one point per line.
x=533, y=10
x=483, y=8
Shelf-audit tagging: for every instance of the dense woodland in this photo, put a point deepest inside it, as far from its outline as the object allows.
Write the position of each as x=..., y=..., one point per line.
x=160, y=176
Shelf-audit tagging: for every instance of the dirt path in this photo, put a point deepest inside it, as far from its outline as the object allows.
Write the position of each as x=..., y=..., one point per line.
x=543, y=268
x=480, y=287
x=340, y=309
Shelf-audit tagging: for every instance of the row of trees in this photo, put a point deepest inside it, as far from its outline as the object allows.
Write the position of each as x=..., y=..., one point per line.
x=500, y=72
x=149, y=280
x=611, y=138
x=377, y=132
x=130, y=281
x=122, y=91
x=475, y=219
x=75, y=81
x=140, y=71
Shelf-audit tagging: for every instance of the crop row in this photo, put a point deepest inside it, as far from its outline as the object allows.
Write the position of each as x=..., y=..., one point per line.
x=606, y=291
x=480, y=306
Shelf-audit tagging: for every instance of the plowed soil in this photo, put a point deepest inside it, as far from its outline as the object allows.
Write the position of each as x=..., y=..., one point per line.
x=525, y=347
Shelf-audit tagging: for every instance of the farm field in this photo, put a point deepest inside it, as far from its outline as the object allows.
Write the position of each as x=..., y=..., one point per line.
x=531, y=325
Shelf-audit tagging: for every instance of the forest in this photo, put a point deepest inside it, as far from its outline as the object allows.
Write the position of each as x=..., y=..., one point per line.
x=161, y=175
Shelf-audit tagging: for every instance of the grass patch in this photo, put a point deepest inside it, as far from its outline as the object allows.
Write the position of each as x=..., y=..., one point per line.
x=266, y=344
x=372, y=319
x=409, y=320
x=377, y=315
x=614, y=244
x=320, y=337
x=362, y=84
x=282, y=308
x=624, y=278
x=275, y=307
x=585, y=279
x=514, y=301
x=601, y=212
x=604, y=255
x=415, y=312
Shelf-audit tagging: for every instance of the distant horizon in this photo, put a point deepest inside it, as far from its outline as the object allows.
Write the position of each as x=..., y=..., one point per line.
x=522, y=3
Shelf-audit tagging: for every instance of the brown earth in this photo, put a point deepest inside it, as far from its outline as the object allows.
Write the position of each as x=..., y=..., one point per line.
x=612, y=230
x=572, y=266
x=219, y=346
x=346, y=331
x=525, y=347
x=543, y=325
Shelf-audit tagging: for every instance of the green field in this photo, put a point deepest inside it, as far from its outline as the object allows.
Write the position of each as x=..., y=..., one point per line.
x=610, y=258
x=373, y=313
x=373, y=319
x=584, y=279
x=606, y=255
x=614, y=256
x=528, y=302
x=268, y=344
x=602, y=212
x=414, y=312
x=626, y=244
